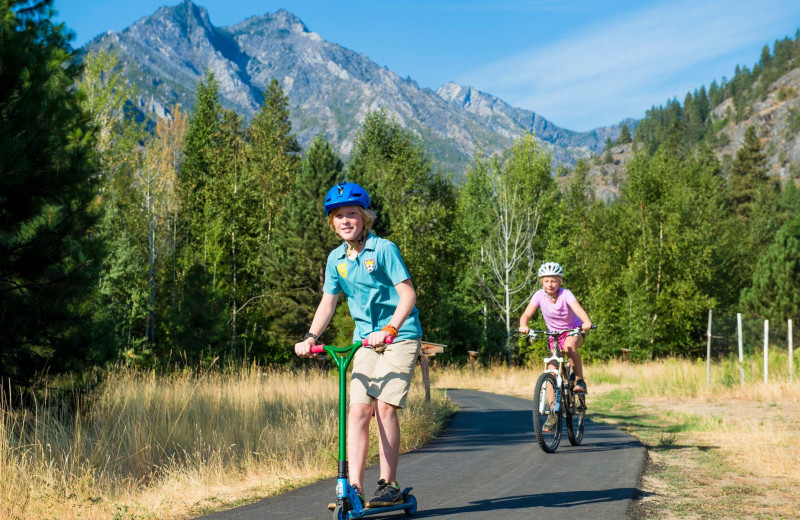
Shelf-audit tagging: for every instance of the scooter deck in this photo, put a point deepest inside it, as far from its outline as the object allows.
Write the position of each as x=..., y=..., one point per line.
x=405, y=504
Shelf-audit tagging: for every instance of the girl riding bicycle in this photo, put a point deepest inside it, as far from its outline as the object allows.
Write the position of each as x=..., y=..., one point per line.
x=381, y=298
x=560, y=310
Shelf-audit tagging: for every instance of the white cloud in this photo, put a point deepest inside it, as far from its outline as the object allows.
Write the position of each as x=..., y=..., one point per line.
x=618, y=68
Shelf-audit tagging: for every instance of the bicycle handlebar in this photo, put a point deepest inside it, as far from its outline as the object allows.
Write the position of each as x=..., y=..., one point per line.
x=573, y=332
x=319, y=349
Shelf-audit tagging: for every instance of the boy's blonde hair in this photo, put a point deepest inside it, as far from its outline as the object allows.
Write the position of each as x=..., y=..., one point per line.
x=367, y=215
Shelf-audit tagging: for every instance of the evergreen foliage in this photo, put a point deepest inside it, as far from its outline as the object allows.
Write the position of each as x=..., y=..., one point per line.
x=295, y=271
x=748, y=173
x=774, y=291
x=49, y=251
x=198, y=318
x=123, y=286
x=273, y=163
x=217, y=238
x=753, y=197
x=664, y=254
x=415, y=205
x=624, y=135
x=746, y=86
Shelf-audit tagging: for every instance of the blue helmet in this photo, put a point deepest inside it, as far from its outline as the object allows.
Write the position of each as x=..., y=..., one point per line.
x=346, y=194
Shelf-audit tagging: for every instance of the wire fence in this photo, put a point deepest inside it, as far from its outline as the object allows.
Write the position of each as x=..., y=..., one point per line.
x=765, y=349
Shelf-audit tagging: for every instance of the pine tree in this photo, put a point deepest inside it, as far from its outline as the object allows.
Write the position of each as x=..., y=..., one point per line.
x=272, y=164
x=197, y=320
x=273, y=155
x=748, y=172
x=775, y=290
x=570, y=232
x=296, y=266
x=665, y=273
x=624, y=135
x=200, y=146
x=49, y=254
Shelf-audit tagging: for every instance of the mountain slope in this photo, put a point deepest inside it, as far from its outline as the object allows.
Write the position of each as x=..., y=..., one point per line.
x=330, y=88
x=775, y=114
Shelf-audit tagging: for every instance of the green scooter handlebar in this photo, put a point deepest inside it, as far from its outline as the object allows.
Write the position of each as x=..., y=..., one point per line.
x=319, y=349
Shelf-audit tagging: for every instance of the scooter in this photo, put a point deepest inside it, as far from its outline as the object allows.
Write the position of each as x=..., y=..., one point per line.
x=348, y=505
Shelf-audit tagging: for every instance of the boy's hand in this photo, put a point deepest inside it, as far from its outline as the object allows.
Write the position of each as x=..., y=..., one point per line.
x=377, y=340
x=304, y=348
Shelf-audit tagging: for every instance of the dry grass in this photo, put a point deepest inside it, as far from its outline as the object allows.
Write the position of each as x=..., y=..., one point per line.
x=151, y=446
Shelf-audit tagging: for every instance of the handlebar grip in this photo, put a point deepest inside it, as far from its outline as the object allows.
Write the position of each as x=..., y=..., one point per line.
x=365, y=341
x=319, y=349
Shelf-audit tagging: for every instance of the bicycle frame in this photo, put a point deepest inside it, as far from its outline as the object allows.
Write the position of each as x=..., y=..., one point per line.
x=560, y=391
x=561, y=371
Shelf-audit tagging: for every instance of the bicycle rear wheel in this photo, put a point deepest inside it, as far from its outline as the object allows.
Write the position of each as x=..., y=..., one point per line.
x=575, y=420
x=546, y=420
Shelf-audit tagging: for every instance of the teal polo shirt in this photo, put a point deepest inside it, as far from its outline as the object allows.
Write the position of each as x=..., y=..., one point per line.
x=368, y=283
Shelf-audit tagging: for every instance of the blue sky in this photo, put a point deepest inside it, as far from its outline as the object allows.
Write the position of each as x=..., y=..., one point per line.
x=580, y=63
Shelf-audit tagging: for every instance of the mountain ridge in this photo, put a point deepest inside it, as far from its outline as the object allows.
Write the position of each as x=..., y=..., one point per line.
x=330, y=88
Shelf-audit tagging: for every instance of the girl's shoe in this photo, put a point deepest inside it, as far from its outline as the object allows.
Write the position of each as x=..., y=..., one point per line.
x=550, y=423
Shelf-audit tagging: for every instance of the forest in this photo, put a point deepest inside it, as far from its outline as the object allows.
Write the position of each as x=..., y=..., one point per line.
x=202, y=237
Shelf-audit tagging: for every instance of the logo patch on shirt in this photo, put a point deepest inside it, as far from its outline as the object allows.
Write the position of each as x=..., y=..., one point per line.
x=370, y=264
x=342, y=268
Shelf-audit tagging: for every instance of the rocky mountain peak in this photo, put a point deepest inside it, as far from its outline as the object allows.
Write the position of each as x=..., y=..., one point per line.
x=280, y=20
x=330, y=88
x=455, y=93
x=185, y=18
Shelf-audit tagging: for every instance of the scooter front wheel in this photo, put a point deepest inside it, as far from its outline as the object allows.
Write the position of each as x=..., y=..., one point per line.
x=339, y=513
x=411, y=507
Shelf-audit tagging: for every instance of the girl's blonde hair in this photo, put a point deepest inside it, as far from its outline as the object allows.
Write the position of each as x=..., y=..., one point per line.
x=367, y=216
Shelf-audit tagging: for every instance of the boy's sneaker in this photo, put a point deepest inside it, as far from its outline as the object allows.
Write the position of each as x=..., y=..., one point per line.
x=387, y=494
x=580, y=386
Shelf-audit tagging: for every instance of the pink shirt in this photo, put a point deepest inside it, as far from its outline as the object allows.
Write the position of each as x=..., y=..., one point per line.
x=558, y=315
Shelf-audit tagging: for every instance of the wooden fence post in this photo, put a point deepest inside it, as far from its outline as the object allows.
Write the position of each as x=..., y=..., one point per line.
x=791, y=353
x=428, y=351
x=766, y=350
x=708, y=351
x=741, y=351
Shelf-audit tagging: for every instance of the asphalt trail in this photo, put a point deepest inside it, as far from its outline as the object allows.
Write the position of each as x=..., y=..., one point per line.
x=488, y=461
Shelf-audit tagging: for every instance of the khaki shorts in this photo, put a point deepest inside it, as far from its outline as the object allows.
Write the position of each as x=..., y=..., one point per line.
x=385, y=376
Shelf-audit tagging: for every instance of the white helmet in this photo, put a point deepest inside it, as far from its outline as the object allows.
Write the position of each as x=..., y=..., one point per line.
x=551, y=269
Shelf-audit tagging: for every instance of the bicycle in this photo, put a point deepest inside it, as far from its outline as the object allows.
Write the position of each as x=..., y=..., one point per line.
x=348, y=505
x=554, y=394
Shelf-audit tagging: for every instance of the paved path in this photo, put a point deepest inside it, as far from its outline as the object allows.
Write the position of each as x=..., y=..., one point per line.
x=488, y=463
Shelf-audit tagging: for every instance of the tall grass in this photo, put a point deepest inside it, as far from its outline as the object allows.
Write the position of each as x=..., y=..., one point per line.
x=661, y=378
x=146, y=445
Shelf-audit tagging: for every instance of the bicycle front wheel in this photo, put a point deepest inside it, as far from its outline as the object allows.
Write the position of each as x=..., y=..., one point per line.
x=546, y=420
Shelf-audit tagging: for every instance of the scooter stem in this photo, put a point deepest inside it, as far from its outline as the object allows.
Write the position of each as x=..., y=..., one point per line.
x=343, y=356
